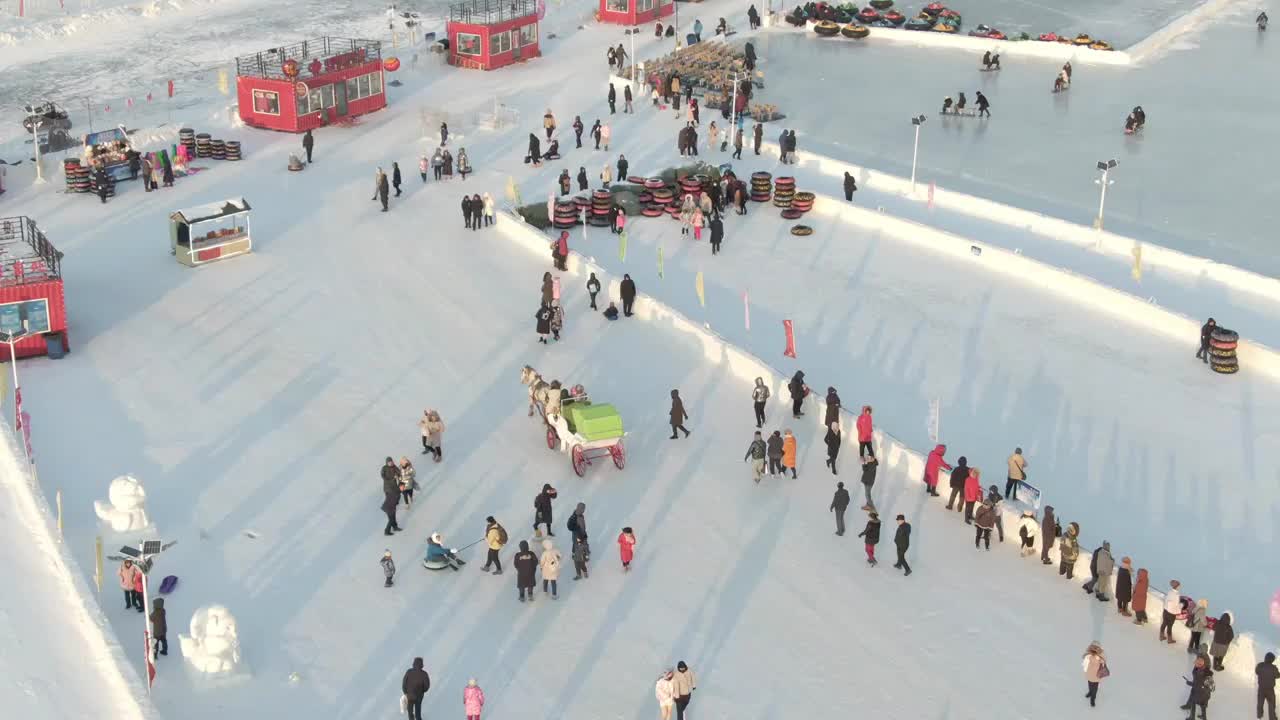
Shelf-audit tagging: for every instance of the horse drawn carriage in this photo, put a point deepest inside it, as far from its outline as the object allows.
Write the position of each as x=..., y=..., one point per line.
x=574, y=424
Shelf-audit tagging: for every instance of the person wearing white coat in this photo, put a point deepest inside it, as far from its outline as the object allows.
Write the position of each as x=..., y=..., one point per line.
x=488, y=209
x=550, y=565
x=665, y=691
x=1172, y=606
x=1028, y=530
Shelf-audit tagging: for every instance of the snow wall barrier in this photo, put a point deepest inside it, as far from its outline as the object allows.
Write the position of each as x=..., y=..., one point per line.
x=1077, y=54
x=902, y=463
x=100, y=653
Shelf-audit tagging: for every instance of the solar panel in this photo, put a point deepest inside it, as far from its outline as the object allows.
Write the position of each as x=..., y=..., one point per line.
x=151, y=547
x=129, y=551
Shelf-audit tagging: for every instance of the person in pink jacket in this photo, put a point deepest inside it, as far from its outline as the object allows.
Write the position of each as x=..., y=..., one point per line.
x=626, y=547
x=972, y=493
x=864, y=433
x=697, y=222
x=932, y=466
x=473, y=700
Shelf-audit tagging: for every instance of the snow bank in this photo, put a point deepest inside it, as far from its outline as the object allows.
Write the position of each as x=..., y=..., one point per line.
x=892, y=452
x=1024, y=48
x=1153, y=256
x=72, y=655
x=1183, y=24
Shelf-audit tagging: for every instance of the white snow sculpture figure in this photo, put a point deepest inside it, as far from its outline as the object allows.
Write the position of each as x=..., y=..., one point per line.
x=126, y=510
x=213, y=646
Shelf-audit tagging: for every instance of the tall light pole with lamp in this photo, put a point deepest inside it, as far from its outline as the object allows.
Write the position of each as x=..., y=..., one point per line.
x=1106, y=167
x=915, y=151
x=142, y=555
x=36, y=121
x=10, y=338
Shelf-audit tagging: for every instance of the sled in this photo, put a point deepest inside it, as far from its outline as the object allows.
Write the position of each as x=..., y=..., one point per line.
x=960, y=113
x=991, y=69
x=442, y=564
x=169, y=584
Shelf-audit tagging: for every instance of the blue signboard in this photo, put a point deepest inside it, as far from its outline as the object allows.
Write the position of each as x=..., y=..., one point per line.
x=36, y=313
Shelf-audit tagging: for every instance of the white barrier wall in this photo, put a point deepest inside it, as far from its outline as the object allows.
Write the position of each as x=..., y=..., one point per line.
x=903, y=463
x=1077, y=54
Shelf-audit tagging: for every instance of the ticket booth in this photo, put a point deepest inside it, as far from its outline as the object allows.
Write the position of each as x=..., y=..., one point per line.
x=315, y=82
x=489, y=34
x=635, y=12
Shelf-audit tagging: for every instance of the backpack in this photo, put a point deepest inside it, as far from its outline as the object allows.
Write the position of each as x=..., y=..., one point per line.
x=502, y=534
x=572, y=525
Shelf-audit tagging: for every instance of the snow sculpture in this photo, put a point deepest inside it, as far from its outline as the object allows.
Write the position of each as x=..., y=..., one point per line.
x=126, y=510
x=213, y=646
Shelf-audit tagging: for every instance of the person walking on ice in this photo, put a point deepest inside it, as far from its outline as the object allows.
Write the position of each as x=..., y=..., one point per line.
x=626, y=547
x=684, y=683
x=415, y=685
x=678, y=415
x=1028, y=531
x=871, y=537
x=756, y=453
x=472, y=700
x=388, y=568
x=495, y=537
x=759, y=396
x=901, y=542
x=789, y=452
x=580, y=557
x=549, y=563
x=839, y=503
x=526, y=565
x=1094, y=665
x=665, y=690
x=869, y=464
x=833, y=439
x=432, y=428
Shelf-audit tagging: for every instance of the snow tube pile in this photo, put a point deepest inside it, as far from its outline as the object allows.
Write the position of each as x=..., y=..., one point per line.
x=895, y=17
x=233, y=150
x=801, y=230
x=581, y=201
x=783, y=190
x=802, y=201
x=761, y=183
x=566, y=215
x=654, y=183
x=77, y=175
x=601, y=204
x=651, y=210
x=881, y=4
x=663, y=196
x=857, y=32
x=645, y=197
x=690, y=185
x=826, y=28
x=1222, y=351
x=673, y=210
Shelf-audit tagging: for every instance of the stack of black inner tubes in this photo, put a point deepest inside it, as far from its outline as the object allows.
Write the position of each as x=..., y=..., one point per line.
x=187, y=139
x=566, y=215
x=601, y=204
x=233, y=149
x=1222, y=351
x=202, y=145
x=217, y=150
x=783, y=188
x=761, y=186
x=77, y=175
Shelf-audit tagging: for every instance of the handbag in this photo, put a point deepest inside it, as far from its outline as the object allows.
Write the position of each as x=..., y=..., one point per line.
x=1104, y=671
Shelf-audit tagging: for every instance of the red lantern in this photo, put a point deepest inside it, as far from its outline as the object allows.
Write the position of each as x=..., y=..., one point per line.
x=315, y=67
x=391, y=64
x=290, y=68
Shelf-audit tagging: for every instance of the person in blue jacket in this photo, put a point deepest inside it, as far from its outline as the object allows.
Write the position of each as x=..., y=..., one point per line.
x=438, y=556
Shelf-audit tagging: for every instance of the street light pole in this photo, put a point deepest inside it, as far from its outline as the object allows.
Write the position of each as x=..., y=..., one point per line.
x=915, y=151
x=10, y=339
x=36, y=121
x=1106, y=167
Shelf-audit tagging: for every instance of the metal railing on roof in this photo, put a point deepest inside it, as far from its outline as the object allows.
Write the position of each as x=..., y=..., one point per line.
x=270, y=63
x=491, y=12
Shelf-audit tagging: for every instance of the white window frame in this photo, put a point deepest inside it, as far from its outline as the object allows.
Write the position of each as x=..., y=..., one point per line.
x=479, y=52
x=264, y=94
x=620, y=6
x=375, y=83
x=500, y=43
x=532, y=29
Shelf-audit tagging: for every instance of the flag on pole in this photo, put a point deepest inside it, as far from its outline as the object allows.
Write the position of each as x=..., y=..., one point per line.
x=746, y=309
x=17, y=405
x=128, y=102
x=1137, y=262
x=622, y=246
x=697, y=285
x=148, y=96
x=223, y=85
x=790, y=350
x=170, y=88
x=934, y=418
x=932, y=185
x=660, y=262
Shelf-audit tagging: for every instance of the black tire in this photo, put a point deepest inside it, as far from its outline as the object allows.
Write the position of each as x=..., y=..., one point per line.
x=801, y=230
x=1224, y=335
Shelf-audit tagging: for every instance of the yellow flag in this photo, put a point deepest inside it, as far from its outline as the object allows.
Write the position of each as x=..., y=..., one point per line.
x=223, y=87
x=697, y=284
x=1137, y=262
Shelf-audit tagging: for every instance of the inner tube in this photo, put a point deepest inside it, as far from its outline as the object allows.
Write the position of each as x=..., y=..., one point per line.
x=868, y=14
x=881, y=4
x=645, y=197
x=934, y=8
x=1048, y=37
x=651, y=210
x=790, y=214
x=944, y=28
x=636, y=180
x=1225, y=335
x=826, y=28
x=801, y=230
x=796, y=20
x=997, y=35
x=761, y=175
x=1223, y=344
x=952, y=21
x=916, y=23
x=1100, y=45
x=654, y=183
x=857, y=32
x=1082, y=39
x=895, y=17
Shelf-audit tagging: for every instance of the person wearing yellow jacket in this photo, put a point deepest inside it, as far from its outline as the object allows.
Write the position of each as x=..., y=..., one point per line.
x=495, y=538
x=789, y=452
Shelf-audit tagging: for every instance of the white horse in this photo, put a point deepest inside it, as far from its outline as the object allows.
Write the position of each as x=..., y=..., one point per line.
x=539, y=389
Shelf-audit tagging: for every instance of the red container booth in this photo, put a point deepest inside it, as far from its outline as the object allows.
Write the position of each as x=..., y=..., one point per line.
x=311, y=83
x=489, y=34
x=31, y=290
x=634, y=12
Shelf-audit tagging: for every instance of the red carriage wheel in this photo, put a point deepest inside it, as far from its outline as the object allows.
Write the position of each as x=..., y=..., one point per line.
x=619, y=455
x=553, y=439
x=579, y=461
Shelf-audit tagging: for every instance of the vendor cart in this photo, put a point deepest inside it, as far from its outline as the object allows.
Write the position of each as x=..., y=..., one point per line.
x=209, y=233
x=109, y=150
x=587, y=432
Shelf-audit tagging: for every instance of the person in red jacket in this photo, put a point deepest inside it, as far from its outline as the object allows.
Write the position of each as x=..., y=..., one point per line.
x=561, y=255
x=864, y=433
x=932, y=466
x=626, y=547
x=972, y=493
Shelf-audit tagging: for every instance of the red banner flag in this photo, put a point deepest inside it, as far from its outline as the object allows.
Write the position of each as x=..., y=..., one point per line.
x=790, y=351
x=148, y=97
x=128, y=102
x=170, y=88
x=106, y=109
x=17, y=402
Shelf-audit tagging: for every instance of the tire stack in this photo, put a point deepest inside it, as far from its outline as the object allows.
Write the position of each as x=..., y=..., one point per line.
x=187, y=139
x=800, y=203
x=761, y=186
x=1222, y=351
x=77, y=175
x=217, y=150
x=601, y=204
x=783, y=190
x=662, y=197
x=202, y=145
x=233, y=150
x=566, y=215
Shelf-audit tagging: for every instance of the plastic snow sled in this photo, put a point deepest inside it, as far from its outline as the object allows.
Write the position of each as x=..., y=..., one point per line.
x=1100, y=45
x=944, y=28
x=801, y=230
x=826, y=28
x=168, y=584
x=857, y=32
x=867, y=15
x=881, y=4
x=918, y=23
x=1082, y=39
x=895, y=18
x=934, y=8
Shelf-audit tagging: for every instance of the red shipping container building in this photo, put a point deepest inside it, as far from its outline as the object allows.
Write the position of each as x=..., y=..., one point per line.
x=634, y=12
x=312, y=83
x=30, y=289
x=489, y=34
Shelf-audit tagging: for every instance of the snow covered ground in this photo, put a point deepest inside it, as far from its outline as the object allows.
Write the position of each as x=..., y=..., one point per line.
x=257, y=397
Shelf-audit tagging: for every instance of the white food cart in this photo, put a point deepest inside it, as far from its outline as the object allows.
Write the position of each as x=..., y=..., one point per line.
x=212, y=232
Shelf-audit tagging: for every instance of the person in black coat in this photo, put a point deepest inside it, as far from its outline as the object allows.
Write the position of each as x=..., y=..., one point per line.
x=984, y=105
x=959, y=474
x=1093, y=571
x=613, y=100
x=753, y=18
x=1206, y=334
x=308, y=142
x=678, y=415
x=869, y=465
x=626, y=99
x=565, y=183
x=415, y=685
x=135, y=164
x=595, y=132
x=395, y=177
x=627, y=290
x=1200, y=682
x=1267, y=674
x=798, y=390
x=542, y=508
x=593, y=289
x=390, y=494
x=526, y=564
x=543, y=316
x=832, y=440
x=577, y=129
x=622, y=167
x=159, y=626
x=467, y=210
x=1223, y=634
x=758, y=136
x=833, y=407
x=535, y=150
x=871, y=536
x=840, y=503
x=1048, y=533
x=717, y=234
x=902, y=541
x=1124, y=586
x=582, y=178
x=850, y=186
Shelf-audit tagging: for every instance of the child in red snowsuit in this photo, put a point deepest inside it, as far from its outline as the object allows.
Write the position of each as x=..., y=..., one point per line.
x=626, y=547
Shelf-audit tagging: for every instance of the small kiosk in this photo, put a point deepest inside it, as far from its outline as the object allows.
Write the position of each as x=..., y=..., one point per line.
x=312, y=83
x=109, y=150
x=31, y=290
x=634, y=12
x=210, y=233
x=489, y=34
